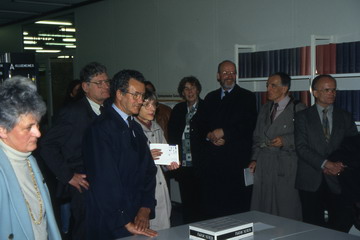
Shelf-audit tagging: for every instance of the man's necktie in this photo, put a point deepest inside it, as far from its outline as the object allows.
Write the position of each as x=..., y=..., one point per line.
x=226, y=93
x=325, y=123
x=273, y=112
x=131, y=128
x=101, y=109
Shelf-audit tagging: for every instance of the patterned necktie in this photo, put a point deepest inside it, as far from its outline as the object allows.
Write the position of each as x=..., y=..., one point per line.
x=186, y=150
x=325, y=124
x=273, y=112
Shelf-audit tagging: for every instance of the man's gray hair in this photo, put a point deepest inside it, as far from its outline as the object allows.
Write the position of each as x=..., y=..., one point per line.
x=18, y=96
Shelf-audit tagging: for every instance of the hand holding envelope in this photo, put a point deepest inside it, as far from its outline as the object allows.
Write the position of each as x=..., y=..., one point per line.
x=164, y=154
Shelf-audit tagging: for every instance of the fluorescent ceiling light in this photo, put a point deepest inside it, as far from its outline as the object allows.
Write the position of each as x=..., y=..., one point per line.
x=33, y=48
x=38, y=38
x=25, y=33
x=58, y=44
x=65, y=57
x=48, y=51
x=30, y=42
x=70, y=46
x=64, y=29
x=55, y=35
x=69, y=39
x=54, y=22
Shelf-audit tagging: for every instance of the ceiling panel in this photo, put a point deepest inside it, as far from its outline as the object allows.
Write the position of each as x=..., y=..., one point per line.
x=14, y=11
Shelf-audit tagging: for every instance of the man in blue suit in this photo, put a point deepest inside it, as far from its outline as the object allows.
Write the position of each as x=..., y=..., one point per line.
x=119, y=165
x=61, y=147
x=319, y=131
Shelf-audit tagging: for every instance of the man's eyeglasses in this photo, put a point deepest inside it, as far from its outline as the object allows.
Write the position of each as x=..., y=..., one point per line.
x=137, y=95
x=224, y=73
x=327, y=90
x=272, y=85
x=102, y=83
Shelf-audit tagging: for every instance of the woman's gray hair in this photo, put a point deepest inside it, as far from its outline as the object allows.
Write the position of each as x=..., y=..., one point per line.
x=18, y=96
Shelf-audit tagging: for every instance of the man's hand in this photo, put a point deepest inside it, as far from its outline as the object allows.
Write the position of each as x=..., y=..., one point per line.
x=142, y=219
x=219, y=142
x=333, y=168
x=78, y=181
x=215, y=135
x=252, y=166
x=218, y=133
x=147, y=232
x=277, y=142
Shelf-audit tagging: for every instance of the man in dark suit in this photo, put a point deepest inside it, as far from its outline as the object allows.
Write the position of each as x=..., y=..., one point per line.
x=61, y=147
x=319, y=130
x=119, y=165
x=228, y=122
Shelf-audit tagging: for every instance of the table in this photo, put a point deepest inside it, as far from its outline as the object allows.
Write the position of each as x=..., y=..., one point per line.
x=266, y=227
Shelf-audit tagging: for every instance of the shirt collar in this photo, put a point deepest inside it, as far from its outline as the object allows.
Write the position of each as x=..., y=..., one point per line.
x=227, y=90
x=193, y=106
x=94, y=106
x=123, y=115
x=283, y=102
x=321, y=108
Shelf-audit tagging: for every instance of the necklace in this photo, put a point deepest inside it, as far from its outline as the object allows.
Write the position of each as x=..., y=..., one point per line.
x=38, y=196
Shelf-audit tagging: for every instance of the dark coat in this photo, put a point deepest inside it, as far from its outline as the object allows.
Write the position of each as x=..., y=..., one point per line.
x=223, y=166
x=61, y=147
x=349, y=154
x=176, y=128
x=121, y=176
x=236, y=115
x=312, y=148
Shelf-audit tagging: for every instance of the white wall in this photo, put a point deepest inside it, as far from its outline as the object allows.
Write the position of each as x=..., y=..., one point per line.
x=169, y=39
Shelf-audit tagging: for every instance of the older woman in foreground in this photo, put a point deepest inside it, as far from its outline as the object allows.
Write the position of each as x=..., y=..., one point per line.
x=25, y=206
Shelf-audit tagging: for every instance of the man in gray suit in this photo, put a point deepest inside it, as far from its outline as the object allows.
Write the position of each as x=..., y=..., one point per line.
x=319, y=130
x=274, y=153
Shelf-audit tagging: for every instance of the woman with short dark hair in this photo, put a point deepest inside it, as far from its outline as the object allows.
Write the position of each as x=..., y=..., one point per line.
x=183, y=129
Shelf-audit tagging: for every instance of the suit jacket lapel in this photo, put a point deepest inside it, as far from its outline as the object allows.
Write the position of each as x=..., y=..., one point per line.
x=91, y=113
x=335, y=123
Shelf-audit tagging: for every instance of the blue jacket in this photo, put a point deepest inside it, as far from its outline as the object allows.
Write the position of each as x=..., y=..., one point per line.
x=14, y=215
x=121, y=174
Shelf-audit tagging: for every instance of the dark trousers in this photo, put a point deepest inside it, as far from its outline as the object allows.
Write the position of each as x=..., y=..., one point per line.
x=315, y=203
x=77, y=224
x=224, y=193
x=190, y=193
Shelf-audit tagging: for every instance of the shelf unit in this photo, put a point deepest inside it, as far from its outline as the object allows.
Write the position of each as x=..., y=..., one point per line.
x=345, y=81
